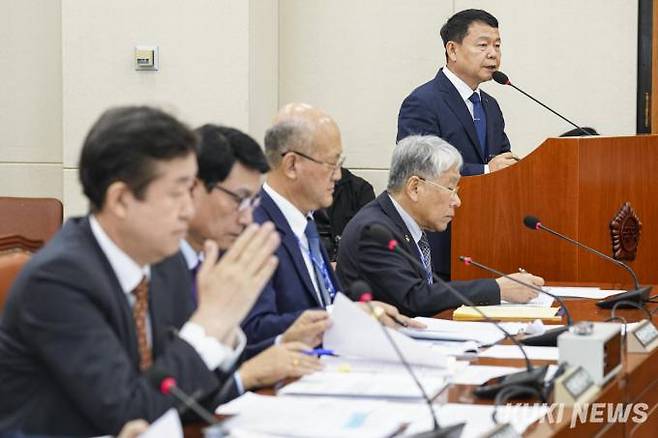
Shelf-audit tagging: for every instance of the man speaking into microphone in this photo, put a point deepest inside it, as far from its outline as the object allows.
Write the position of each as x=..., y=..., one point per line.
x=453, y=107
x=422, y=196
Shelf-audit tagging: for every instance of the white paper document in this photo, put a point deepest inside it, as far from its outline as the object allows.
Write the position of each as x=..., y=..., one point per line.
x=167, y=426
x=513, y=352
x=541, y=300
x=477, y=417
x=309, y=417
x=483, y=333
x=582, y=292
x=357, y=334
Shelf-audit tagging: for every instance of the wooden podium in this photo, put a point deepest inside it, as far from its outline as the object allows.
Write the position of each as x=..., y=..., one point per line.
x=575, y=186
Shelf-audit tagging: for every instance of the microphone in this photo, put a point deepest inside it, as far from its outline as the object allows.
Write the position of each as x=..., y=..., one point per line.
x=549, y=337
x=362, y=290
x=166, y=384
x=638, y=293
x=502, y=79
x=533, y=376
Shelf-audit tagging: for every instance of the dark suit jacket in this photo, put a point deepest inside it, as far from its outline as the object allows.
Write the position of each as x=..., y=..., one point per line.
x=290, y=290
x=436, y=108
x=68, y=345
x=392, y=277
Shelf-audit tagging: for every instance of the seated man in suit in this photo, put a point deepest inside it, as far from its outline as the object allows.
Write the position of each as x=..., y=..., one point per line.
x=453, y=107
x=421, y=196
x=231, y=167
x=108, y=296
x=304, y=151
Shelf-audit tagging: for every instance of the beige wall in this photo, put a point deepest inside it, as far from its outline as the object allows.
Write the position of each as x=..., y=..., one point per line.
x=30, y=98
x=359, y=59
x=235, y=61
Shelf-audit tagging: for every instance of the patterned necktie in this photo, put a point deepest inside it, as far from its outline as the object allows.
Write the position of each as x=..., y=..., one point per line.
x=480, y=122
x=140, y=310
x=327, y=290
x=426, y=254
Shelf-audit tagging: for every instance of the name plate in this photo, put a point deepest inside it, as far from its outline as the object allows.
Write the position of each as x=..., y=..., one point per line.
x=642, y=339
x=575, y=387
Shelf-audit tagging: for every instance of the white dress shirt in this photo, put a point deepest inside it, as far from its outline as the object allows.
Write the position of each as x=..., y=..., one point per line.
x=130, y=274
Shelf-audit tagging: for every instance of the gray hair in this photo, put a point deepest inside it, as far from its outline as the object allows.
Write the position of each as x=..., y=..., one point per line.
x=289, y=134
x=427, y=156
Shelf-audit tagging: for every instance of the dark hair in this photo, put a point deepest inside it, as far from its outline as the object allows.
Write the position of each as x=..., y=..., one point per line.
x=220, y=147
x=124, y=144
x=457, y=26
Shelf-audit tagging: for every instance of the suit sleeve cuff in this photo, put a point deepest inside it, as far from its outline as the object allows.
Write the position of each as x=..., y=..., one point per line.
x=238, y=382
x=213, y=353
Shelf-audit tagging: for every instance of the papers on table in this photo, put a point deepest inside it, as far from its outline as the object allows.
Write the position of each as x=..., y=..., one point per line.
x=513, y=352
x=479, y=374
x=331, y=417
x=483, y=333
x=582, y=292
x=541, y=300
x=357, y=334
x=310, y=417
x=356, y=377
x=477, y=417
x=506, y=313
x=167, y=426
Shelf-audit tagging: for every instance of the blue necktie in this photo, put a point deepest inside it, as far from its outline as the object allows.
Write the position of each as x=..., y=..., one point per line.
x=426, y=254
x=193, y=273
x=327, y=290
x=480, y=122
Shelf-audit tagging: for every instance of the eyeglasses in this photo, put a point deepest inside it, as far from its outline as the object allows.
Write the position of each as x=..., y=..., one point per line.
x=453, y=192
x=333, y=166
x=244, y=202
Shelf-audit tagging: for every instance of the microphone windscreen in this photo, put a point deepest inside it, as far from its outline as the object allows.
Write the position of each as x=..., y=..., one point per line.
x=378, y=233
x=359, y=287
x=531, y=222
x=155, y=376
x=500, y=77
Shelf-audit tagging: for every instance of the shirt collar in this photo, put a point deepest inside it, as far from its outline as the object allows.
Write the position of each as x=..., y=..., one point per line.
x=296, y=219
x=128, y=272
x=192, y=258
x=462, y=88
x=411, y=224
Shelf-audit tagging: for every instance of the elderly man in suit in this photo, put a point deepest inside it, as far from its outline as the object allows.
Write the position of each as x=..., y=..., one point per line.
x=305, y=152
x=453, y=107
x=231, y=168
x=108, y=297
x=422, y=195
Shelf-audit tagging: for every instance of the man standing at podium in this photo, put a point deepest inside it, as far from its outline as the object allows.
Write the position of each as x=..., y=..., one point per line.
x=453, y=107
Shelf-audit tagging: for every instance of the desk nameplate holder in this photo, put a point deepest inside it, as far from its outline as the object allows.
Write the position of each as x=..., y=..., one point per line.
x=575, y=387
x=643, y=338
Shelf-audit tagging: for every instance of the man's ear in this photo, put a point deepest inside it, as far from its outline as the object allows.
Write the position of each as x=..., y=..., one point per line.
x=289, y=164
x=412, y=188
x=117, y=199
x=451, y=51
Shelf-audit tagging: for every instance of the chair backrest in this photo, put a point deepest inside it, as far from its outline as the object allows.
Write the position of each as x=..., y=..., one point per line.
x=11, y=263
x=32, y=218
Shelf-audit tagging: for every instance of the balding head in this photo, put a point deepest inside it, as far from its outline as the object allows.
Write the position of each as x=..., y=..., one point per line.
x=304, y=150
x=299, y=127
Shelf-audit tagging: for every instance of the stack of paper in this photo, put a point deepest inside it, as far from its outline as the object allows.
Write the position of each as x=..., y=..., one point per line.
x=541, y=300
x=506, y=313
x=513, y=352
x=582, y=292
x=483, y=333
x=357, y=334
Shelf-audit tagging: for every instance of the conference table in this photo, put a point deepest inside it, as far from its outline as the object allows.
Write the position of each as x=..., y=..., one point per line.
x=637, y=382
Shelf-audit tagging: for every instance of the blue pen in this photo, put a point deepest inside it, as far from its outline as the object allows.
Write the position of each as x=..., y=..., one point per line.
x=319, y=352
